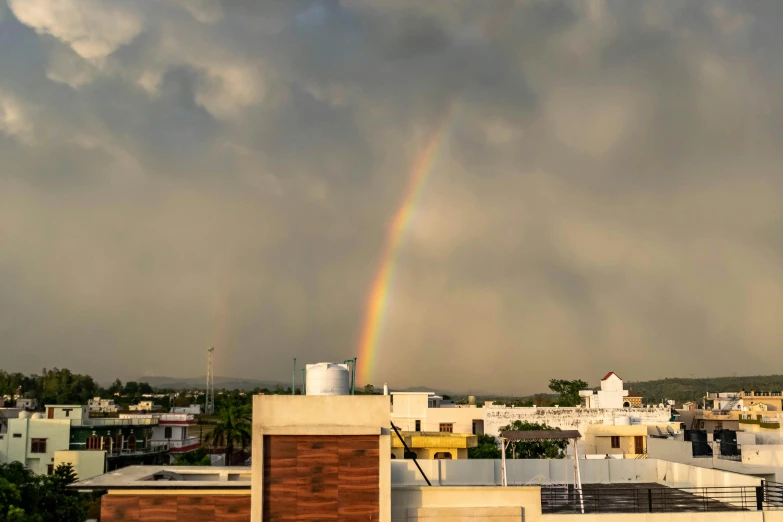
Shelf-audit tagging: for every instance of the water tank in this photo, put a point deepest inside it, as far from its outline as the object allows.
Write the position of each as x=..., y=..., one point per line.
x=37, y=416
x=327, y=379
x=24, y=414
x=622, y=421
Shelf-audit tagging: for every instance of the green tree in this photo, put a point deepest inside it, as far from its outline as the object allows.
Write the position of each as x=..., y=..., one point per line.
x=369, y=389
x=233, y=428
x=535, y=449
x=193, y=458
x=487, y=448
x=568, y=390
x=40, y=498
x=10, y=499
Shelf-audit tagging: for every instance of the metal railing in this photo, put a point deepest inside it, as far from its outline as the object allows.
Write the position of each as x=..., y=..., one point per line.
x=772, y=495
x=177, y=417
x=115, y=422
x=175, y=444
x=660, y=499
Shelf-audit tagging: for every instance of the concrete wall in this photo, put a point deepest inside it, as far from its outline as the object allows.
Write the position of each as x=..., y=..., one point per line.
x=86, y=464
x=407, y=500
x=526, y=472
x=56, y=433
x=757, y=460
x=571, y=418
x=321, y=415
x=521, y=472
x=684, y=475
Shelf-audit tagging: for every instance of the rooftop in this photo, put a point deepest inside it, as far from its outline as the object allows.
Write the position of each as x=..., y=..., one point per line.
x=170, y=478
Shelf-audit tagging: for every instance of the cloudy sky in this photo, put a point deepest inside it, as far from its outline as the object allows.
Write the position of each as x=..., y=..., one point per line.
x=180, y=173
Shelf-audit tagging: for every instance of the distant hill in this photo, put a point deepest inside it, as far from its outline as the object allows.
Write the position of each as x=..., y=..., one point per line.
x=682, y=390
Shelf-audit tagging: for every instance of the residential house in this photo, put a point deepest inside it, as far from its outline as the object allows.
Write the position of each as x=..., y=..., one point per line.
x=67, y=433
x=99, y=405
x=171, y=430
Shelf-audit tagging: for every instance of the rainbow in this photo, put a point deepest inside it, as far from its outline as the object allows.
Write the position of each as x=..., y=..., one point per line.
x=379, y=296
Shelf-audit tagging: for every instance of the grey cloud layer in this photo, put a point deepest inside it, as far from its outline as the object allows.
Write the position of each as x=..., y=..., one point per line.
x=185, y=173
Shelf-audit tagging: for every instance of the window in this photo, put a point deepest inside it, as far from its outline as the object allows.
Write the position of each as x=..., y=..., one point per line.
x=447, y=428
x=442, y=455
x=17, y=435
x=93, y=443
x=167, y=432
x=67, y=412
x=107, y=443
x=38, y=446
x=132, y=442
x=1, y=437
x=615, y=442
x=418, y=425
x=49, y=469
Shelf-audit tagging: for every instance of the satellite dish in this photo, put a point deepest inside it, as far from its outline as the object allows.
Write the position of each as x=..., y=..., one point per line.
x=670, y=431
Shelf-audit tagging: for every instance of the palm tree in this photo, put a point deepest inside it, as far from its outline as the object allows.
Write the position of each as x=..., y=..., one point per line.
x=233, y=427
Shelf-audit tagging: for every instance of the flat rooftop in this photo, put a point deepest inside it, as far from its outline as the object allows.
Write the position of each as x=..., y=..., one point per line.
x=170, y=478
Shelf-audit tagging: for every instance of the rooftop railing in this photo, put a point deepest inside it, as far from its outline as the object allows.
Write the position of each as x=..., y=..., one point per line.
x=659, y=499
x=115, y=422
x=176, y=444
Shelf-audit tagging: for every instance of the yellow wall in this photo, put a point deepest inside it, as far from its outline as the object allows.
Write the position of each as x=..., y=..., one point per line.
x=86, y=464
x=603, y=445
x=429, y=453
x=417, y=497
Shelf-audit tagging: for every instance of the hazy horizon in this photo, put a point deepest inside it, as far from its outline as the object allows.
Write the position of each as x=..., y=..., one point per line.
x=603, y=195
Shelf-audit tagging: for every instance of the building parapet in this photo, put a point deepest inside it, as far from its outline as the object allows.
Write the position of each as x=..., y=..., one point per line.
x=133, y=421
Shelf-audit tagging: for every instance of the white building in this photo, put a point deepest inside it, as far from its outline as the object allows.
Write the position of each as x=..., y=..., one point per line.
x=102, y=405
x=611, y=394
x=423, y=411
x=171, y=430
x=27, y=404
x=144, y=406
x=193, y=409
x=68, y=434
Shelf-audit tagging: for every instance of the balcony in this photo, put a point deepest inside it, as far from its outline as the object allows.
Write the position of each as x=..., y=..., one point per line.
x=125, y=452
x=89, y=422
x=178, y=446
x=177, y=418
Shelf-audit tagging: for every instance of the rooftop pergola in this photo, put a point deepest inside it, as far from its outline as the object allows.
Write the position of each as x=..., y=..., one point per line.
x=512, y=437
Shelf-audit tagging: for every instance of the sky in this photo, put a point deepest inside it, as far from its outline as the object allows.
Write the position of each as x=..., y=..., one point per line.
x=604, y=191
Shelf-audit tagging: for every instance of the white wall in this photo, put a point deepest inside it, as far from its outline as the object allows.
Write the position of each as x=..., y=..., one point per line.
x=407, y=408
x=571, y=418
x=57, y=435
x=520, y=472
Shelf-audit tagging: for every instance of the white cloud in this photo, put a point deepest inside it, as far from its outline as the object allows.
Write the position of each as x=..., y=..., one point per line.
x=15, y=118
x=93, y=28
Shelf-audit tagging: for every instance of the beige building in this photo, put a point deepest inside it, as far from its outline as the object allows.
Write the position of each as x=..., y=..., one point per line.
x=433, y=445
x=622, y=441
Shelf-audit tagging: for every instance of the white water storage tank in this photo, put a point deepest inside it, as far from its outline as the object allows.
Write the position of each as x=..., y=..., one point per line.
x=327, y=379
x=622, y=421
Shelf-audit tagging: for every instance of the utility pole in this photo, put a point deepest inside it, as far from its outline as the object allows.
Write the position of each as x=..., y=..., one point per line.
x=209, y=407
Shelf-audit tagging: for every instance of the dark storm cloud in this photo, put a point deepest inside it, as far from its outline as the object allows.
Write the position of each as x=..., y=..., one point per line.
x=185, y=173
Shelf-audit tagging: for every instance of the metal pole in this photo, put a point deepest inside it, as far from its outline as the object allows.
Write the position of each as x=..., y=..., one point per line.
x=578, y=477
x=293, y=378
x=405, y=446
x=503, y=461
x=353, y=377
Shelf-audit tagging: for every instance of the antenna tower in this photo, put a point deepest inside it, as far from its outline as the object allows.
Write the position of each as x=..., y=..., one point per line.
x=209, y=408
